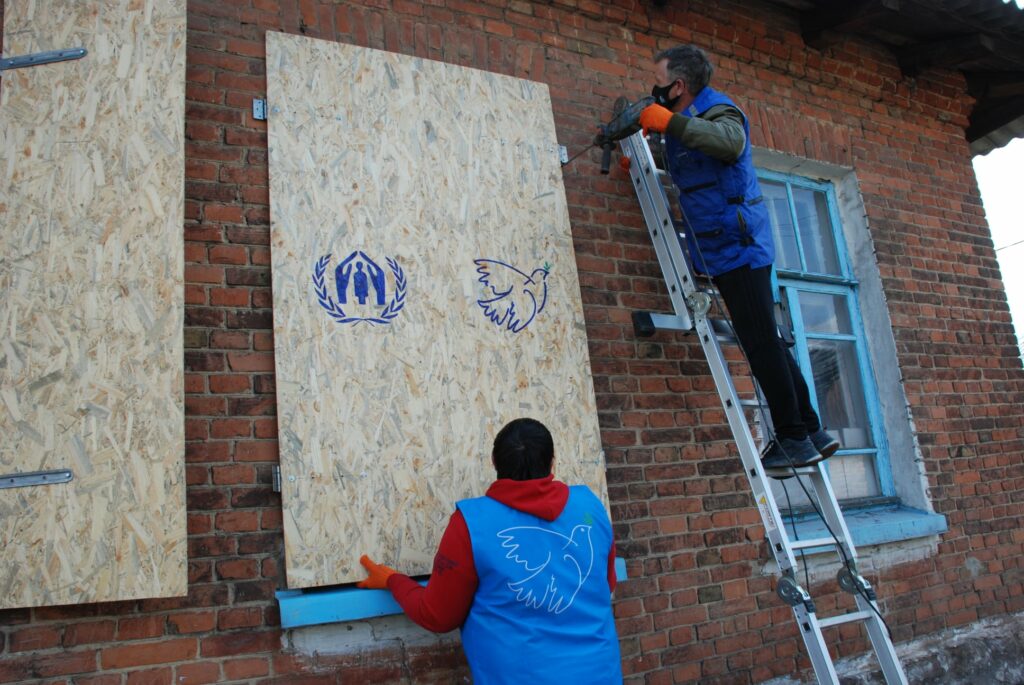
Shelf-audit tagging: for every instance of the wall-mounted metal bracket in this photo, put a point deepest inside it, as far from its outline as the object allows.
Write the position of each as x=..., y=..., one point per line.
x=259, y=109
x=276, y=475
x=563, y=154
x=23, y=480
x=37, y=58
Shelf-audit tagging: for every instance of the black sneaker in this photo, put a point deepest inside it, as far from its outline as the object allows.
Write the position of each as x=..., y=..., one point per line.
x=786, y=452
x=824, y=443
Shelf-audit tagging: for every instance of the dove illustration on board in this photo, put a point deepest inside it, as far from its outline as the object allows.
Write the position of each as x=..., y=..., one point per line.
x=512, y=298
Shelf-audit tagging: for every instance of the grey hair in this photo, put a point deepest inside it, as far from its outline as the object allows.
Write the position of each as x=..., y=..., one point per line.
x=688, y=63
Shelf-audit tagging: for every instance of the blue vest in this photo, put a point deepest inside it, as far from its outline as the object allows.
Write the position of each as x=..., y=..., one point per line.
x=542, y=612
x=728, y=217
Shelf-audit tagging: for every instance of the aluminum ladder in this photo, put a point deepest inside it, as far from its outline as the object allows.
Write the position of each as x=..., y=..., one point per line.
x=691, y=306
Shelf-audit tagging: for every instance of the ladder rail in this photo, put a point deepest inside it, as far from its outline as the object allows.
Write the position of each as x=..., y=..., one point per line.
x=691, y=307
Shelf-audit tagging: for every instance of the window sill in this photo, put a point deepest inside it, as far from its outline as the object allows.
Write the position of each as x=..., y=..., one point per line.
x=873, y=526
x=348, y=603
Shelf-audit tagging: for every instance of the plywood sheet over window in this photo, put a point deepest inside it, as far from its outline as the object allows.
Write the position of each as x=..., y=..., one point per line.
x=91, y=264
x=397, y=184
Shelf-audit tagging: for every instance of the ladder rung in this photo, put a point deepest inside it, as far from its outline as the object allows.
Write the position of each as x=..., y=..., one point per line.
x=788, y=471
x=845, y=618
x=813, y=542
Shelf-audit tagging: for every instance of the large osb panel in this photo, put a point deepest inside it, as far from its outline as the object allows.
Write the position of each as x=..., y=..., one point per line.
x=392, y=177
x=91, y=268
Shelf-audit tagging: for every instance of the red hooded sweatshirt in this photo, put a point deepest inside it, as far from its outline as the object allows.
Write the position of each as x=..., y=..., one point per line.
x=444, y=603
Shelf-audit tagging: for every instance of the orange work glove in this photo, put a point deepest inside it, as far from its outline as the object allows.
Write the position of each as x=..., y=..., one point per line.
x=379, y=574
x=655, y=118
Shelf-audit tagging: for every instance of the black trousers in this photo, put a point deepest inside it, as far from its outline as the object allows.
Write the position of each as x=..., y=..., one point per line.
x=748, y=296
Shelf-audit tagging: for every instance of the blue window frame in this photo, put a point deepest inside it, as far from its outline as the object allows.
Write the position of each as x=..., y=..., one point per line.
x=816, y=284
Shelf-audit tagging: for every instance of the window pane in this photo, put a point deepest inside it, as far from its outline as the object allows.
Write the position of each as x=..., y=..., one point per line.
x=853, y=475
x=815, y=231
x=824, y=313
x=840, y=394
x=786, y=254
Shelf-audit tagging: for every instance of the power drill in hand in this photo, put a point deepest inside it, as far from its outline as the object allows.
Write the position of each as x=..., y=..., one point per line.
x=624, y=123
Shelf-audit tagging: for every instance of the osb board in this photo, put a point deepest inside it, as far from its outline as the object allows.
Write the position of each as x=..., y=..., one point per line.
x=385, y=424
x=91, y=269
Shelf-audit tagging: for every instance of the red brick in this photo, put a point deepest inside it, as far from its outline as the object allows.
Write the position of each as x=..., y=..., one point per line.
x=229, y=254
x=234, y=383
x=89, y=632
x=238, y=669
x=138, y=628
x=238, y=521
x=151, y=676
x=34, y=638
x=265, y=428
x=229, y=339
x=192, y=622
x=203, y=274
x=64, y=663
x=263, y=340
x=147, y=653
x=251, y=361
x=249, y=617
x=197, y=673
x=256, y=451
x=237, y=569
x=246, y=175
x=249, y=642
x=230, y=428
x=234, y=475
x=231, y=214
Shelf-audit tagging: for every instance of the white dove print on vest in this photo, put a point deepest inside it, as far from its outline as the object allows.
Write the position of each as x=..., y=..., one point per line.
x=546, y=556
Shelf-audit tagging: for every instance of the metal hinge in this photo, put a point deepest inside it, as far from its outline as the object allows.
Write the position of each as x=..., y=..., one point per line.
x=275, y=472
x=259, y=109
x=24, y=480
x=37, y=58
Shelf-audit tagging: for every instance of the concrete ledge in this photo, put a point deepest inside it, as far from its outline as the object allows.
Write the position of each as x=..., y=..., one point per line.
x=985, y=652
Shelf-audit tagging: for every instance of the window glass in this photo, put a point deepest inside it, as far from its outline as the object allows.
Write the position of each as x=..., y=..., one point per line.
x=853, y=475
x=839, y=391
x=787, y=255
x=825, y=313
x=816, y=235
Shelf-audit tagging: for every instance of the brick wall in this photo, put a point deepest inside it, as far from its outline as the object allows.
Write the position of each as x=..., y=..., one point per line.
x=697, y=607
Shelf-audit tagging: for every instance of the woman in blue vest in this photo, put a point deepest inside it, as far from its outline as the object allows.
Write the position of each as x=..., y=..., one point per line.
x=729, y=237
x=527, y=571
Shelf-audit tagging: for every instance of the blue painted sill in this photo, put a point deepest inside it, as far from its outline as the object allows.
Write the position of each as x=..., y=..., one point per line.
x=873, y=526
x=335, y=605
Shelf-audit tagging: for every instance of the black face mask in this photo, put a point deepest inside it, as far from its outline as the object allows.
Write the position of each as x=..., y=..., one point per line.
x=660, y=94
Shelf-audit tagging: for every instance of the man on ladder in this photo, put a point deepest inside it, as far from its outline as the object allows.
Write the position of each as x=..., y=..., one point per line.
x=729, y=236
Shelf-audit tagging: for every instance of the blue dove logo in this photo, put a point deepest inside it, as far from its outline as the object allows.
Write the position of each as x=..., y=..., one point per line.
x=546, y=557
x=512, y=298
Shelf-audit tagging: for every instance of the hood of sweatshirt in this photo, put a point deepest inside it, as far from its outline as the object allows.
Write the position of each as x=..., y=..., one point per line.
x=542, y=497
